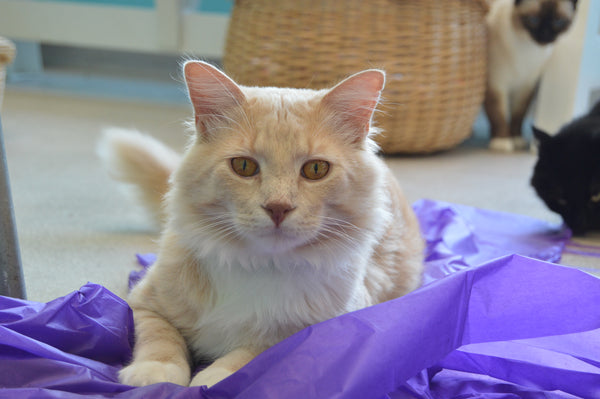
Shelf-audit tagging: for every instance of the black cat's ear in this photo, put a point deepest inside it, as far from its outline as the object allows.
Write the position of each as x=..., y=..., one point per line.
x=353, y=102
x=595, y=111
x=211, y=92
x=541, y=136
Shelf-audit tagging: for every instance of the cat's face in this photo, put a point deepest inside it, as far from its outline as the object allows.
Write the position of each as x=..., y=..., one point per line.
x=567, y=176
x=544, y=20
x=273, y=170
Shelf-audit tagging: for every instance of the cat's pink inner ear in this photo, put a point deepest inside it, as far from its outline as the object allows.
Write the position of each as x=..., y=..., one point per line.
x=212, y=93
x=354, y=99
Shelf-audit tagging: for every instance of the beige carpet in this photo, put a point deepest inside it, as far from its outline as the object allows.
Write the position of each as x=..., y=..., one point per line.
x=75, y=225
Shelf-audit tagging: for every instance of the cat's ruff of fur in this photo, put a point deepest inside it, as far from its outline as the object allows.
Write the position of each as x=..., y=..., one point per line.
x=227, y=283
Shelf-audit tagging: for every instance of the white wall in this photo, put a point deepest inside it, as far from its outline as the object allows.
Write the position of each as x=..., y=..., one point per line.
x=571, y=82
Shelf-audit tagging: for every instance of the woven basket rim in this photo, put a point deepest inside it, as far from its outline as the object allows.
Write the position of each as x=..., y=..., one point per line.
x=436, y=70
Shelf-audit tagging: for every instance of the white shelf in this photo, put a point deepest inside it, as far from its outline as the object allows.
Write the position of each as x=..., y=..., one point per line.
x=163, y=29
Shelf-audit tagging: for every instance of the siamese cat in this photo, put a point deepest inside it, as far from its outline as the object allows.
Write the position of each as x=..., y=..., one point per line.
x=522, y=34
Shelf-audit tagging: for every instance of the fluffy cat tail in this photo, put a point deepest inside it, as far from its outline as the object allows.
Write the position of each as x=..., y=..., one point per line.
x=142, y=162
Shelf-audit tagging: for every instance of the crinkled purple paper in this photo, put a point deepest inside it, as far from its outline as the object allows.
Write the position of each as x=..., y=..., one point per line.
x=501, y=327
x=460, y=236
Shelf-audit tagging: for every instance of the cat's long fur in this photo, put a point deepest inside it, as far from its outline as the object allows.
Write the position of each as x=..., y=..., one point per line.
x=229, y=282
x=143, y=162
x=516, y=58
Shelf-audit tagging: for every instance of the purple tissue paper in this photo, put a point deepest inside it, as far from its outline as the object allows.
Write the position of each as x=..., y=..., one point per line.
x=490, y=322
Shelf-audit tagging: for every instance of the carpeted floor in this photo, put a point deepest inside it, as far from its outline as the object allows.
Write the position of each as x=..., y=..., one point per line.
x=75, y=225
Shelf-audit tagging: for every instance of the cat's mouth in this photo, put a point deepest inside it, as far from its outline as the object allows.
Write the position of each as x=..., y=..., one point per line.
x=277, y=233
x=277, y=240
x=543, y=40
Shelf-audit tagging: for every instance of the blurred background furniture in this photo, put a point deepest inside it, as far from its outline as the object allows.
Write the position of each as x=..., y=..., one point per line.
x=434, y=53
x=11, y=273
x=111, y=48
x=7, y=54
x=151, y=26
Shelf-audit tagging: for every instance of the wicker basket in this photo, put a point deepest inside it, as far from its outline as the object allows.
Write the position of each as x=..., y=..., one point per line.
x=434, y=53
x=7, y=53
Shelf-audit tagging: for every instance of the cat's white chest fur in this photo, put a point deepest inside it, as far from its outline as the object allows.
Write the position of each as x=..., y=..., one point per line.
x=271, y=303
x=525, y=69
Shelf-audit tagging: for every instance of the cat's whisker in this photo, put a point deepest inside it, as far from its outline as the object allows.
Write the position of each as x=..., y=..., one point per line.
x=341, y=227
x=341, y=238
x=340, y=234
x=219, y=227
x=340, y=223
x=224, y=235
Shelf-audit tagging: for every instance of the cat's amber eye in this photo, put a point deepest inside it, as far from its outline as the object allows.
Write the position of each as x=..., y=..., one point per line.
x=315, y=170
x=244, y=167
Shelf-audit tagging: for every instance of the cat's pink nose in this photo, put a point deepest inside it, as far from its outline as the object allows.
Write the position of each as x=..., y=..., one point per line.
x=278, y=211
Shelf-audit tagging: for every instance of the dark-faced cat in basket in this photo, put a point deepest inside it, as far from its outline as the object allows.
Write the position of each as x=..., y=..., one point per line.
x=567, y=174
x=522, y=34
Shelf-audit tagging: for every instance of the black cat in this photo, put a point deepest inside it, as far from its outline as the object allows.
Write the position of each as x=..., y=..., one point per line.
x=567, y=174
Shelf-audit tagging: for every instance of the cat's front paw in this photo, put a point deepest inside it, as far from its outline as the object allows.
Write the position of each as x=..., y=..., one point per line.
x=502, y=144
x=151, y=372
x=210, y=376
x=520, y=143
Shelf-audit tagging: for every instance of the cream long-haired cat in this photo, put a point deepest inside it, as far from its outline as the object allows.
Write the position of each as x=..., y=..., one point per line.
x=522, y=34
x=278, y=216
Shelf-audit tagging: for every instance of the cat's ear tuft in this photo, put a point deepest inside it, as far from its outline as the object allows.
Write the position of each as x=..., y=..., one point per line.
x=211, y=92
x=541, y=136
x=353, y=101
